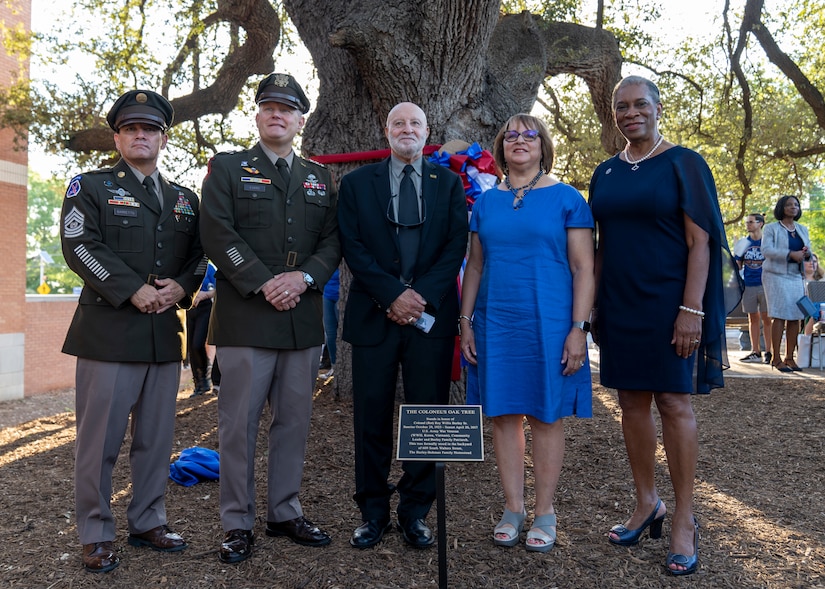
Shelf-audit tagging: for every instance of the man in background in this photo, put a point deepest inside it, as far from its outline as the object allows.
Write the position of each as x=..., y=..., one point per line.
x=748, y=254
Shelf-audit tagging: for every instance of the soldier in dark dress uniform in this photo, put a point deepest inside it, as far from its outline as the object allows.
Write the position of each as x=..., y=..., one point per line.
x=270, y=218
x=132, y=236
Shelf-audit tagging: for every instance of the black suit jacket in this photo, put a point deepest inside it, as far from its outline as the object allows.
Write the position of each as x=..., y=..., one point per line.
x=369, y=243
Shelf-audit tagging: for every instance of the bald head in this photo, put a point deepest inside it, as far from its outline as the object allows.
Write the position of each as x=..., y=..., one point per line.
x=407, y=131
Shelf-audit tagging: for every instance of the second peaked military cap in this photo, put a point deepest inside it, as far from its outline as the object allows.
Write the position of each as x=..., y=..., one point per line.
x=141, y=106
x=284, y=89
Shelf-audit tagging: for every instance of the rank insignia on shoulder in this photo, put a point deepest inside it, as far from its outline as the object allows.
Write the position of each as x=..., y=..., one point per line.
x=317, y=163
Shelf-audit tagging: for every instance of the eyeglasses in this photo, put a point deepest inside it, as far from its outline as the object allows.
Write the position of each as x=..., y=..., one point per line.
x=528, y=135
x=391, y=216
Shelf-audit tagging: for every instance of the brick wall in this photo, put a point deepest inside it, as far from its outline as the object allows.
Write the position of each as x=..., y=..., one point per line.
x=13, y=202
x=47, y=320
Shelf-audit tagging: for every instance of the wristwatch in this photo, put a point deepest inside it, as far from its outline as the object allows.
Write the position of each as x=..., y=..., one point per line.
x=310, y=281
x=583, y=325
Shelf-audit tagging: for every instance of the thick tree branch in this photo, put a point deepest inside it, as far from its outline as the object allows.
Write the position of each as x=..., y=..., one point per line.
x=262, y=26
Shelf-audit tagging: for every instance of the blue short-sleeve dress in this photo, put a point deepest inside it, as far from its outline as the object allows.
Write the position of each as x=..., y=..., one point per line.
x=524, y=304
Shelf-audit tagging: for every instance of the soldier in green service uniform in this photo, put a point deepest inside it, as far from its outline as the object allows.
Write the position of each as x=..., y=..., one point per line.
x=132, y=236
x=269, y=225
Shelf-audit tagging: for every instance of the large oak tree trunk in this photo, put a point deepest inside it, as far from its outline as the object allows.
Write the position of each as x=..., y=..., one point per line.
x=468, y=67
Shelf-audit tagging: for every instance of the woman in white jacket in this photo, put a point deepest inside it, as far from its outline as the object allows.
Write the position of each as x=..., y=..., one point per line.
x=786, y=246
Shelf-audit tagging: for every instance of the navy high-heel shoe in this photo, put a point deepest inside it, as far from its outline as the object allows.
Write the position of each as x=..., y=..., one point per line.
x=631, y=537
x=691, y=563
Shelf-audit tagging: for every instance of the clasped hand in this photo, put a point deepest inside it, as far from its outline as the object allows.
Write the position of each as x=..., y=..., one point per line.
x=158, y=298
x=283, y=291
x=407, y=308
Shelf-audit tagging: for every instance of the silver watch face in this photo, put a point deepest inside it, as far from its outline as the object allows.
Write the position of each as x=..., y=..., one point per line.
x=308, y=279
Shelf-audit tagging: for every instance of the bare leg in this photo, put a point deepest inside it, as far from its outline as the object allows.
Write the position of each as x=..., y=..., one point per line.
x=753, y=330
x=790, y=338
x=548, y=455
x=508, y=442
x=639, y=430
x=766, y=330
x=777, y=328
x=682, y=447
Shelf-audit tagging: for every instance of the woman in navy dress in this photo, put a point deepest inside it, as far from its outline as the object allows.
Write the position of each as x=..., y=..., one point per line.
x=526, y=298
x=661, y=311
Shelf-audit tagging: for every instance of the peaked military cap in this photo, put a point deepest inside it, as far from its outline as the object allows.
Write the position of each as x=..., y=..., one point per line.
x=284, y=89
x=141, y=106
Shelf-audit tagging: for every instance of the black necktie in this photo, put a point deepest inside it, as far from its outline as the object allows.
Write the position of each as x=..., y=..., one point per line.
x=149, y=184
x=409, y=232
x=283, y=169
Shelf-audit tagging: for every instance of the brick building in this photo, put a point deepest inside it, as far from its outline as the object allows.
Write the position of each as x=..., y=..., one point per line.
x=13, y=199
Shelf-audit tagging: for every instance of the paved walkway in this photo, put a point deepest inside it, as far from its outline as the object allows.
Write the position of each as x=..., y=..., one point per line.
x=740, y=369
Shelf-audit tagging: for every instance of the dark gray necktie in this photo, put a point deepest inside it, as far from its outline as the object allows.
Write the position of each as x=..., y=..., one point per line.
x=409, y=230
x=283, y=169
x=149, y=184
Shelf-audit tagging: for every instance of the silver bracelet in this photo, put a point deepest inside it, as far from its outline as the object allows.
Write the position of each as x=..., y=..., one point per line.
x=470, y=319
x=691, y=311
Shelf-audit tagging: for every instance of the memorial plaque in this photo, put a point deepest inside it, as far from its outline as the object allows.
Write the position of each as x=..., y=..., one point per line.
x=440, y=433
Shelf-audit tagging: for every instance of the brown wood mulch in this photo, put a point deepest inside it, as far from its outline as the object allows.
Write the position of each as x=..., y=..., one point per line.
x=759, y=500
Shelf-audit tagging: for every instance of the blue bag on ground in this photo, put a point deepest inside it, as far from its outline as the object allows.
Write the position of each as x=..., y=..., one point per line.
x=195, y=465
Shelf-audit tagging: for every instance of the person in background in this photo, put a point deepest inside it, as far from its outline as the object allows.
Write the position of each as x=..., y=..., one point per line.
x=786, y=246
x=813, y=273
x=197, y=326
x=132, y=236
x=534, y=232
x=331, y=320
x=273, y=234
x=660, y=264
x=403, y=234
x=748, y=254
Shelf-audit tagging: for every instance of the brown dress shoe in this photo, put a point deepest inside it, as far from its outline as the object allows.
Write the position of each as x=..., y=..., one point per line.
x=300, y=530
x=160, y=538
x=100, y=557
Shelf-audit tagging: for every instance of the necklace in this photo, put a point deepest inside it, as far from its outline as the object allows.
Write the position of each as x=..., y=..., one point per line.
x=518, y=201
x=792, y=230
x=644, y=157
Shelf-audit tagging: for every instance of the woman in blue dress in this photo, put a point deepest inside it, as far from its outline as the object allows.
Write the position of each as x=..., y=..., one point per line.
x=661, y=311
x=526, y=299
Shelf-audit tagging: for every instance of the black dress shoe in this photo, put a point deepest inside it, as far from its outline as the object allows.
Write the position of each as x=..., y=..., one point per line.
x=236, y=546
x=416, y=533
x=370, y=533
x=300, y=530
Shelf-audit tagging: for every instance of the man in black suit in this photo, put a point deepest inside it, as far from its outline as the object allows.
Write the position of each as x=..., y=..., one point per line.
x=403, y=228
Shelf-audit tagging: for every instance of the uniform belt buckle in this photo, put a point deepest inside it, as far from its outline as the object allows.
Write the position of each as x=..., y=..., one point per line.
x=291, y=259
x=150, y=280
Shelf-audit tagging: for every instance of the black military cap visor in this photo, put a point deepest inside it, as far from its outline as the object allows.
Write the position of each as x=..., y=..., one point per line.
x=275, y=94
x=140, y=114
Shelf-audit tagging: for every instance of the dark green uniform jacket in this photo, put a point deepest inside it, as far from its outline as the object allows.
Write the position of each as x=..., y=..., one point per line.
x=254, y=228
x=116, y=239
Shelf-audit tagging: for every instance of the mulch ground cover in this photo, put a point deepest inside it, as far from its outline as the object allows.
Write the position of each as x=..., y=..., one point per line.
x=759, y=500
